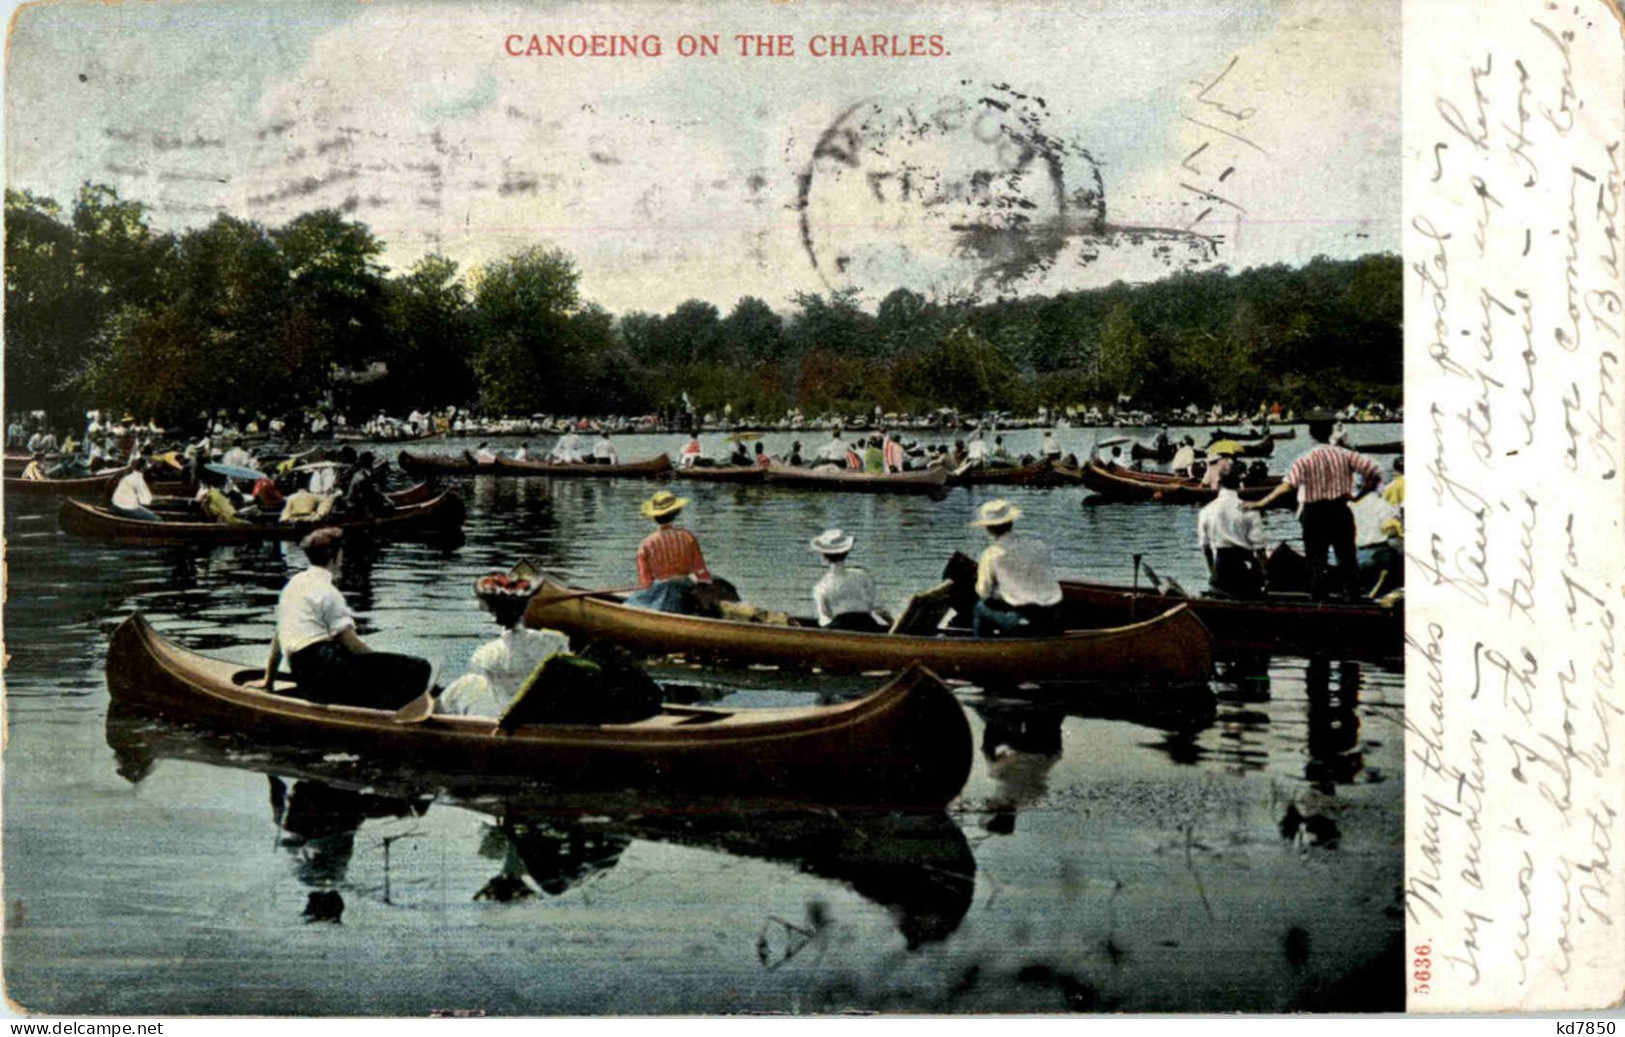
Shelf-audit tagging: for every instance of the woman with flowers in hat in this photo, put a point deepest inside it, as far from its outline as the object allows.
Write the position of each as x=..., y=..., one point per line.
x=845, y=597
x=1016, y=587
x=669, y=559
x=499, y=668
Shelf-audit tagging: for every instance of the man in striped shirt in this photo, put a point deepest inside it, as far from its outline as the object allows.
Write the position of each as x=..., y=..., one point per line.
x=669, y=559
x=1324, y=479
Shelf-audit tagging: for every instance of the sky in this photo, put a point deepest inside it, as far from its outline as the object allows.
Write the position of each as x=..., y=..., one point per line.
x=1053, y=146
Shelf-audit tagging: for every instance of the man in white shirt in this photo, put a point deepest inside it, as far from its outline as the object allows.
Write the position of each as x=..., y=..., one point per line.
x=976, y=452
x=315, y=631
x=1232, y=541
x=324, y=478
x=239, y=456
x=568, y=449
x=523, y=453
x=846, y=598
x=603, y=452
x=132, y=495
x=834, y=450
x=1016, y=588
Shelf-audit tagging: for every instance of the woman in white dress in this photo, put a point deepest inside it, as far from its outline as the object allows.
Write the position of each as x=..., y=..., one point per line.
x=500, y=667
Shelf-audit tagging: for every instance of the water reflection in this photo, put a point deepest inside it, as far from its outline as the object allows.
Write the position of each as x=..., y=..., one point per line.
x=918, y=866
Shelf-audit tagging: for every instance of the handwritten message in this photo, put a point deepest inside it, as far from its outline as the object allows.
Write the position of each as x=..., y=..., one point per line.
x=1515, y=864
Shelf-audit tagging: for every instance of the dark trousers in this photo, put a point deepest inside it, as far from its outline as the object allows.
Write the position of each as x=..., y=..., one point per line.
x=861, y=622
x=1329, y=526
x=1236, y=573
x=998, y=619
x=328, y=672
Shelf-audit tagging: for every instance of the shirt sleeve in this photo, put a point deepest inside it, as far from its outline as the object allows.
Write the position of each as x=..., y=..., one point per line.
x=1294, y=475
x=1253, y=526
x=821, y=604
x=1204, y=519
x=696, y=563
x=986, y=581
x=142, y=493
x=646, y=574
x=1366, y=467
x=333, y=612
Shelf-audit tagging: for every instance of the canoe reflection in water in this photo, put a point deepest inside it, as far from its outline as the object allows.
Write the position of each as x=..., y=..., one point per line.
x=916, y=865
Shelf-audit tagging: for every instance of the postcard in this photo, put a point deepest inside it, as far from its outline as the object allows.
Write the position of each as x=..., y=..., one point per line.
x=625, y=509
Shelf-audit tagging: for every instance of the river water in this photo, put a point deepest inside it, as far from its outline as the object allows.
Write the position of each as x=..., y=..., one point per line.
x=1108, y=853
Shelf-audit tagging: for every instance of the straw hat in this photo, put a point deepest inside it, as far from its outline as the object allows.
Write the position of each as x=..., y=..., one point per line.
x=663, y=503
x=832, y=542
x=996, y=513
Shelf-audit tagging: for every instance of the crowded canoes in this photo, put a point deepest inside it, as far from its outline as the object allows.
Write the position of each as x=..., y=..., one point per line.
x=467, y=464
x=1275, y=622
x=1126, y=485
x=829, y=477
x=1172, y=647
x=439, y=514
x=906, y=744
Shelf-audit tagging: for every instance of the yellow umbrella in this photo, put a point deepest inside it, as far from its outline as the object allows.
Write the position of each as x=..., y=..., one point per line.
x=1224, y=448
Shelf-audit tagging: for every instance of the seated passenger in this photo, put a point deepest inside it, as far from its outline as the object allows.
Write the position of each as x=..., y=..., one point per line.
x=315, y=631
x=1016, y=587
x=846, y=598
x=669, y=559
x=132, y=495
x=500, y=668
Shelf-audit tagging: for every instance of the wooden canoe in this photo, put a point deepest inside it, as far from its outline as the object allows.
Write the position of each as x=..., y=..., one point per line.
x=182, y=499
x=1285, y=623
x=368, y=437
x=723, y=473
x=1123, y=484
x=931, y=480
x=90, y=487
x=439, y=464
x=1242, y=437
x=1141, y=452
x=1396, y=446
x=1171, y=647
x=905, y=744
x=440, y=514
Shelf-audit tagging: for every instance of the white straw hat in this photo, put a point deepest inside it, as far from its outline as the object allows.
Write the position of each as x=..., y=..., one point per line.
x=832, y=542
x=996, y=513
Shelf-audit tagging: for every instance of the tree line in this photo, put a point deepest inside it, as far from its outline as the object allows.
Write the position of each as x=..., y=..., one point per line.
x=104, y=311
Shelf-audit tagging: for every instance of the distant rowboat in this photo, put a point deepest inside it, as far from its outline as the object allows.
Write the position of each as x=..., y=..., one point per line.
x=829, y=477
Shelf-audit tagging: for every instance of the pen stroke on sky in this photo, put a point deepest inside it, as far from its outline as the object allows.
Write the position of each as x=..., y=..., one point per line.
x=1046, y=147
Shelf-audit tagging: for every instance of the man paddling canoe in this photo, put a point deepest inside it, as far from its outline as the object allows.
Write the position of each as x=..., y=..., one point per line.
x=315, y=631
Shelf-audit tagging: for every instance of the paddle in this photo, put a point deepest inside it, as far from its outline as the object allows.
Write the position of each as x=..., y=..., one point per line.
x=573, y=595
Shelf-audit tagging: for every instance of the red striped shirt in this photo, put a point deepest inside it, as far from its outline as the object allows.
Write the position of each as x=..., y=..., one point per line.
x=1327, y=473
x=668, y=553
x=894, y=456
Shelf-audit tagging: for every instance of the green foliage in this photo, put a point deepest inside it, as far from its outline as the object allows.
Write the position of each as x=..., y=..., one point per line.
x=103, y=312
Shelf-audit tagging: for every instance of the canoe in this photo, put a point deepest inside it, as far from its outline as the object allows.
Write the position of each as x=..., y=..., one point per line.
x=906, y=744
x=1220, y=433
x=91, y=487
x=439, y=464
x=1396, y=446
x=178, y=497
x=1170, y=647
x=1284, y=623
x=1141, y=452
x=652, y=468
x=1122, y=484
x=441, y=514
x=368, y=437
x=929, y=481
x=723, y=473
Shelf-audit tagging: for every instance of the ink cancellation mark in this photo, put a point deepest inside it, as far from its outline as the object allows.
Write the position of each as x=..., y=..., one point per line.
x=962, y=194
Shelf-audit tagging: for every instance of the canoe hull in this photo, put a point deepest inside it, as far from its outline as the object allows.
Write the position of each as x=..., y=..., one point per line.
x=93, y=487
x=907, y=744
x=439, y=515
x=1173, y=647
x=723, y=473
x=837, y=479
x=1299, y=627
x=1124, y=485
